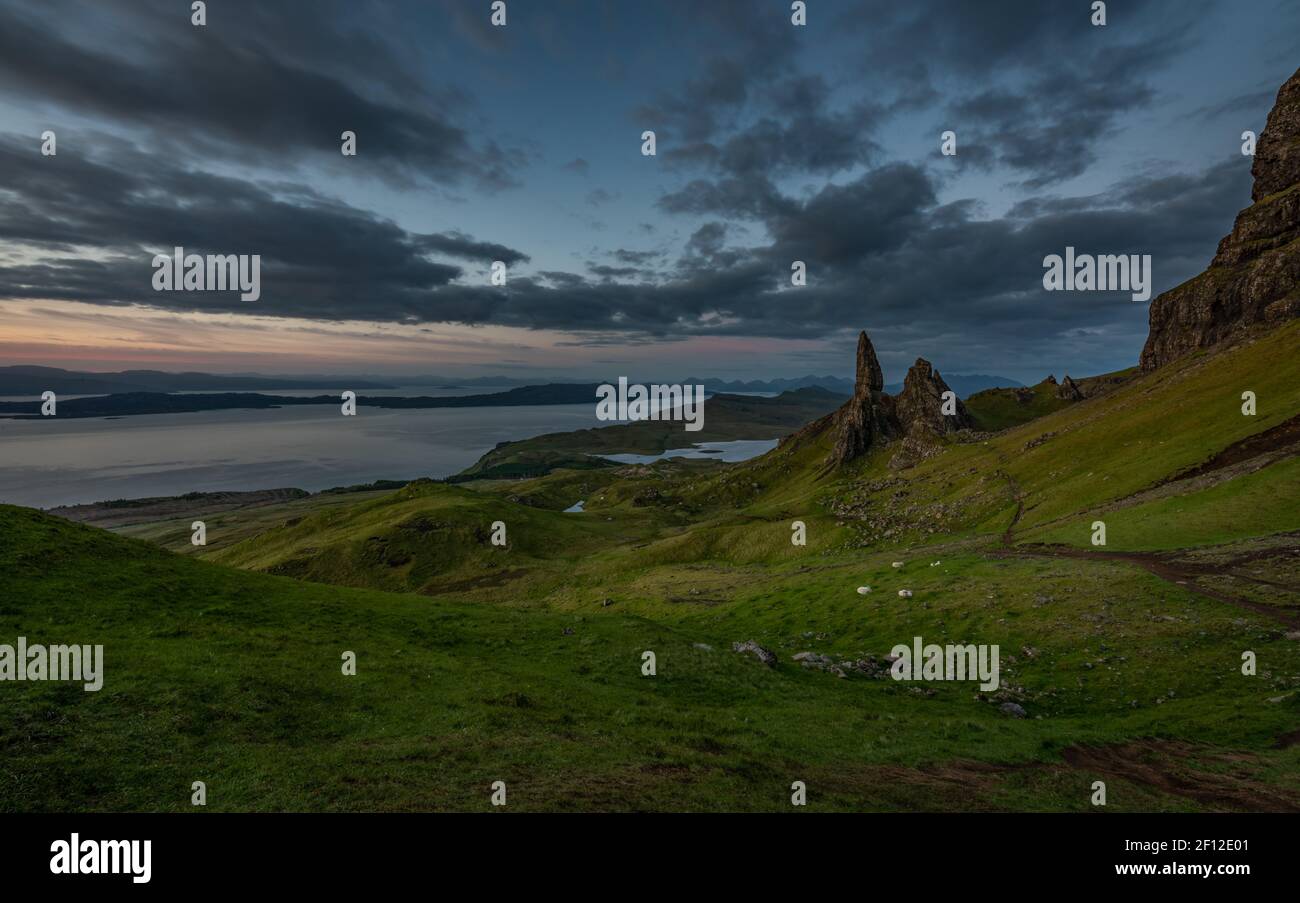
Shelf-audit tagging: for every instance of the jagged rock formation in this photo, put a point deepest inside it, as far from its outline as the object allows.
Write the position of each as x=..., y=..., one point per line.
x=919, y=407
x=1253, y=278
x=871, y=418
x=867, y=417
x=1069, y=390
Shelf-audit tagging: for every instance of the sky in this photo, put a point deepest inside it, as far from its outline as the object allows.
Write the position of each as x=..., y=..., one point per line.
x=523, y=144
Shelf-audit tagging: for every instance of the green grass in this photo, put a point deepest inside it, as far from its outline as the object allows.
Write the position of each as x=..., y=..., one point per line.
x=1257, y=504
x=233, y=678
x=999, y=409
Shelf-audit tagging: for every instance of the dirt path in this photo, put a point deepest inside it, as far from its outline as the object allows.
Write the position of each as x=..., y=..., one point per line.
x=1163, y=566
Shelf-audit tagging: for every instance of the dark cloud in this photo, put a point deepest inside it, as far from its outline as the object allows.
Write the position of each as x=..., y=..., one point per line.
x=1034, y=84
x=638, y=258
x=458, y=244
x=774, y=146
x=328, y=258
x=222, y=89
x=882, y=252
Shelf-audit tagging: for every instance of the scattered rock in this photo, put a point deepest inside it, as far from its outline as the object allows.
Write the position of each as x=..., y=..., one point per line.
x=904, y=594
x=897, y=564
x=704, y=647
x=1012, y=709
x=863, y=590
x=766, y=656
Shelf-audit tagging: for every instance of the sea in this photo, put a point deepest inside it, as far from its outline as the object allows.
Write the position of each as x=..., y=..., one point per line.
x=53, y=461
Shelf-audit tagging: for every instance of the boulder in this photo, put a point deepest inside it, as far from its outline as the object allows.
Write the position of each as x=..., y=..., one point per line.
x=1012, y=709
x=766, y=656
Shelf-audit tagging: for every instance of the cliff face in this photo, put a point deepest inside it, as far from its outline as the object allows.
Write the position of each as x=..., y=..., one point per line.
x=1255, y=275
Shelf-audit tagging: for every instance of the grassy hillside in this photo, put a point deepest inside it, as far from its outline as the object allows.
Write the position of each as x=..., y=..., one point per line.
x=999, y=409
x=233, y=678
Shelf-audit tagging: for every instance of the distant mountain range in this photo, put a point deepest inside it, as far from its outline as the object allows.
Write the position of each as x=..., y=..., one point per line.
x=966, y=385
x=29, y=380
x=963, y=385
x=32, y=380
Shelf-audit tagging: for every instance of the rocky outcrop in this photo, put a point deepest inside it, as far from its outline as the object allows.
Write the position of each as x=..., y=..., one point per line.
x=920, y=406
x=871, y=418
x=1254, y=278
x=866, y=419
x=1069, y=390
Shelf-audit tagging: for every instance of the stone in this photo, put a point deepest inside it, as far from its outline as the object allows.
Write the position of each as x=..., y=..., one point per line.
x=1012, y=709
x=766, y=656
x=904, y=594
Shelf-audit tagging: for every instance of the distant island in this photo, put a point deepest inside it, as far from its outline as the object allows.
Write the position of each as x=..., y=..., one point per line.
x=33, y=380
x=136, y=403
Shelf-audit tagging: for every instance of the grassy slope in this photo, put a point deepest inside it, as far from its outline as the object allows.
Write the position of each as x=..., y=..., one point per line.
x=233, y=678
x=238, y=523
x=999, y=409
